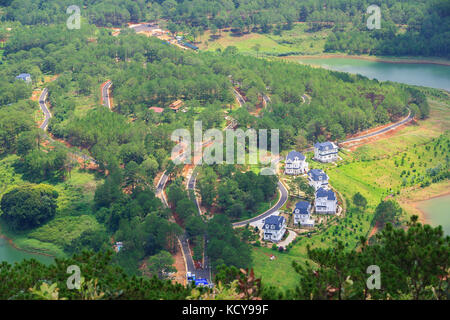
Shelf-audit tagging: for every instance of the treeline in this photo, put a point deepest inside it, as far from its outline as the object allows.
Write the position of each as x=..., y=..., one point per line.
x=426, y=33
x=234, y=193
x=127, y=206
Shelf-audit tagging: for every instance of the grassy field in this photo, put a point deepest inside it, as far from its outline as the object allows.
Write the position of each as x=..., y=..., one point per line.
x=75, y=196
x=373, y=170
x=295, y=41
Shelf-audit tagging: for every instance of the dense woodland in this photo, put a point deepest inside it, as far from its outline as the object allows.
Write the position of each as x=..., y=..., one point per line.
x=338, y=274
x=131, y=145
x=426, y=32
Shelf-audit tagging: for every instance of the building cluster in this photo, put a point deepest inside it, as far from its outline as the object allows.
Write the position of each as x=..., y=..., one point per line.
x=325, y=201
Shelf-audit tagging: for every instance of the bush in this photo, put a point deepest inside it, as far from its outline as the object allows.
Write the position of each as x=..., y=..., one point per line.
x=29, y=206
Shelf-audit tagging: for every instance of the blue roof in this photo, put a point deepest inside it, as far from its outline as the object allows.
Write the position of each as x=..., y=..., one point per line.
x=295, y=154
x=324, y=146
x=316, y=173
x=303, y=207
x=322, y=193
x=275, y=220
x=201, y=282
x=187, y=44
x=23, y=76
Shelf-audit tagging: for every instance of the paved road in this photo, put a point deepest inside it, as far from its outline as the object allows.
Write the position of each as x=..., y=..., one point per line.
x=239, y=98
x=281, y=201
x=44, y=125
x=408, y=118
x=105, y=94
x=44, y=109
x=266, y=99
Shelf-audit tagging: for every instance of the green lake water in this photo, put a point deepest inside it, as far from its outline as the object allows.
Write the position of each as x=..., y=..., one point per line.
x=11, y=254
x=428, y=75
x=437, y=212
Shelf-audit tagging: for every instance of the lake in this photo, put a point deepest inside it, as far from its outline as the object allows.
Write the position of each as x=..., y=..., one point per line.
x=428, y=75
x=437, y=212
x=11, y=254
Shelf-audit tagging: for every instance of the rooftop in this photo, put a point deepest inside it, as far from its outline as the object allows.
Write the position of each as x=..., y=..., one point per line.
x=295, y=154
x=324, y=146
x=322, y=193
x=315, y=174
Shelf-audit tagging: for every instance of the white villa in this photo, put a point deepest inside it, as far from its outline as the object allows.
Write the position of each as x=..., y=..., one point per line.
x=317, y=179
x=326, y=152
x=274, y=228
x=326, y=201
x=295, y=163
x=302, y=214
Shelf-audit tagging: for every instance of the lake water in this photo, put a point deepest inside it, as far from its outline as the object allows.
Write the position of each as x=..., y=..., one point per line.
x=437, y=212
x=428, y=75
x=11, y=255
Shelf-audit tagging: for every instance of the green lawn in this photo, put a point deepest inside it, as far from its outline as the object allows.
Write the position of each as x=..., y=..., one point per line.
x=75, y=197
x=295, y=41
x=373, y=170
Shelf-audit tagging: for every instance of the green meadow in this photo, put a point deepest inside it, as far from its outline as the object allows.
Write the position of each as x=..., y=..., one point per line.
x=376, y=170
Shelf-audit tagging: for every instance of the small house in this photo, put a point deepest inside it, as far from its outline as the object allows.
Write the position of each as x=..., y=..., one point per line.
x=157, y=109
x=176, y=105
x=326, y=151
x=274, y=228
x=317, y=179
x=295, y=163
x=326, y=201
x=24, y=77
x=302, y=214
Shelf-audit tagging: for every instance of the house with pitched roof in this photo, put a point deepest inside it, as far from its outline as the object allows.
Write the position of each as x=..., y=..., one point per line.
x=295, y=163
x=326, y=151
x=317, y=179
x=274, y=228
x=325, y=201
x=157, y=109
x=176, y=105
x=302, y=214
x=24, y=77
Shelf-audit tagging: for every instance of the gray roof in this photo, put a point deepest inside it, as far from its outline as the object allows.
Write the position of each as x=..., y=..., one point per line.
x=322, y=193
x=295, y=154
x=303, y=207
x=315, y=174
x=274, y=220
x=324, y=146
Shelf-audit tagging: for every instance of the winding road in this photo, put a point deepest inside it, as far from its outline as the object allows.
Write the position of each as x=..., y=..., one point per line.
x=44, y=125
x=105, y=94
x=407, y=119
x=44, y=108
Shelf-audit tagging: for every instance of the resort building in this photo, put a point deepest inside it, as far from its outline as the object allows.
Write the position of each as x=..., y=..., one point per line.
x=25, y=77
x=317, y=179
x=176, y=105
x=302, y=214
x=157, y=109
x=274, y=228
x=325, y=202
x=326, y=152
x=295, y=163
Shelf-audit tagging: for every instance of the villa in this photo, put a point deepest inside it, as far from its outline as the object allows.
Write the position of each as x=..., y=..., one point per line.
x=326, y=201
x=295, y=163
x=302, y=214
x=326, y=152
x=25, y=77
x=274, y=228
x=317, y=179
